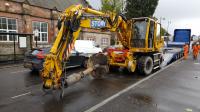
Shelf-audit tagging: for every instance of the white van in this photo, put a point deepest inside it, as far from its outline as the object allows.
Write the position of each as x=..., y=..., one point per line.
x=86, y=47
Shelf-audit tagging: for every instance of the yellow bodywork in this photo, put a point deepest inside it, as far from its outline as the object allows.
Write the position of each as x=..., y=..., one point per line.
x=53, y=66
x=60, y=51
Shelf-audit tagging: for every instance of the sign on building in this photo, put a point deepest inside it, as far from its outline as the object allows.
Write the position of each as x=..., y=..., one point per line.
x=98, y=23
x=22, y=42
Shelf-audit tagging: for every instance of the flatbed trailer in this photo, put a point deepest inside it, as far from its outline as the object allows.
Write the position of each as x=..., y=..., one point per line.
x=174, y=49
x=171, y=54
x=172, y=89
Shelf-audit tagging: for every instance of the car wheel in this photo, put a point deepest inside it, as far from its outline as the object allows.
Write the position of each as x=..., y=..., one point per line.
x=85, y=63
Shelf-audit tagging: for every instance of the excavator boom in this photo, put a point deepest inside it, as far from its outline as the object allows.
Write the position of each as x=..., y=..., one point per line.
x=70, y=23
x=139, y=38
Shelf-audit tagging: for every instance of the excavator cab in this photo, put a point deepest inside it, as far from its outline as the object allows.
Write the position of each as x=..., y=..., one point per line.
x=145, y=35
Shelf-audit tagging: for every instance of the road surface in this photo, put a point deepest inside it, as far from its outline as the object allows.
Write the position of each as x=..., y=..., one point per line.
x=173, y=89
x=21, y=91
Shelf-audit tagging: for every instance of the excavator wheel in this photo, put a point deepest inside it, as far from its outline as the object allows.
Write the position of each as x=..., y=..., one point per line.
x=100, y=63
x=145, y=65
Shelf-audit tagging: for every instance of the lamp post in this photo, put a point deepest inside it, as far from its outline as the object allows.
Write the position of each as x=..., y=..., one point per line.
x=161, y=18
x=169, y=22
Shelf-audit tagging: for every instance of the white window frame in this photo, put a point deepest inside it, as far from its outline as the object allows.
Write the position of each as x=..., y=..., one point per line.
x=40, y=32
x=104, y=41
x=7, y=30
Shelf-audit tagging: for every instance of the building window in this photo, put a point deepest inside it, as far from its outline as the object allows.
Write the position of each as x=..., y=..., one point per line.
x=91, y=38
x=42, y=27
x=104, y=41
x=8, y=25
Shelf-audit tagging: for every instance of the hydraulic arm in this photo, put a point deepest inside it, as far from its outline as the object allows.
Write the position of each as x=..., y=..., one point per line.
x=70, y=23
x=140, y=38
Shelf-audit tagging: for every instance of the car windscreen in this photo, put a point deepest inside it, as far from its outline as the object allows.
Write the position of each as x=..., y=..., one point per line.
x=46, y=50
x=43, y=51
x=35, y=52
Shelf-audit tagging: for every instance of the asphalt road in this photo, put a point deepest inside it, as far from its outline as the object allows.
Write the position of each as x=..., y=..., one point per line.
x=174, y=89
x=21, y=91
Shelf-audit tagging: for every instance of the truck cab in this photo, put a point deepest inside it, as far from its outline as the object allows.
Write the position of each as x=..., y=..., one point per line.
x=146, y=35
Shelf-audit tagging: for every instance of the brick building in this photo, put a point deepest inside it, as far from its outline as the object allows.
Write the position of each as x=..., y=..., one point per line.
x=24, y=16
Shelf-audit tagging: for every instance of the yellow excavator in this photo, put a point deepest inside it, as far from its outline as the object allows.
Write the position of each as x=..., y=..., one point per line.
x=140, y=39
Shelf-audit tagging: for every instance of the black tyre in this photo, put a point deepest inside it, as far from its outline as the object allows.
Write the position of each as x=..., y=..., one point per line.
x=161, y=61
x=85, y=63
x=114, y=68
x=145, y=65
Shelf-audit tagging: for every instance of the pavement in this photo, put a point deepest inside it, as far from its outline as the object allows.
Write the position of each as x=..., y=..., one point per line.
x=173, y=89
x=10, y=63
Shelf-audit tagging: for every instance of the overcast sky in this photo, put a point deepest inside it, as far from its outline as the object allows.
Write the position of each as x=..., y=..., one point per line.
x=178, y=13
x=181, y=13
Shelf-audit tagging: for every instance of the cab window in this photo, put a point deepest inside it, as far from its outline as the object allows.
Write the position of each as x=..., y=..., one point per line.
x=158, y=31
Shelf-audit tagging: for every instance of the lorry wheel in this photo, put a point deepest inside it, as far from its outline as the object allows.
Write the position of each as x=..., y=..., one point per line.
x=161, y=61
x=145, y=65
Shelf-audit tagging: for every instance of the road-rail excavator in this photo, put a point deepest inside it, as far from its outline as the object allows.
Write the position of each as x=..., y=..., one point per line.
x=140, y=39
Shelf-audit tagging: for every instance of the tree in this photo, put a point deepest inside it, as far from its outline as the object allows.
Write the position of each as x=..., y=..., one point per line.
x=164, y=32
x=112, y=6
x=140, y=8
x=115, y=6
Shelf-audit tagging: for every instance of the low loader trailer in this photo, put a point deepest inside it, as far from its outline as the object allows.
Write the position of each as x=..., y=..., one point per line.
x=174, y=49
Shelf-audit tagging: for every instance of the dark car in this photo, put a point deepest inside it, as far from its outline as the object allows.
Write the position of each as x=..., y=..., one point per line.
x=34, y=59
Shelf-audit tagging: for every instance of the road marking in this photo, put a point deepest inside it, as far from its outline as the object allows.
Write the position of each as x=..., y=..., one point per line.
x=19, y=71
x=20, y=95
x=73, y=66
x=95, y=107
x=197, y=63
